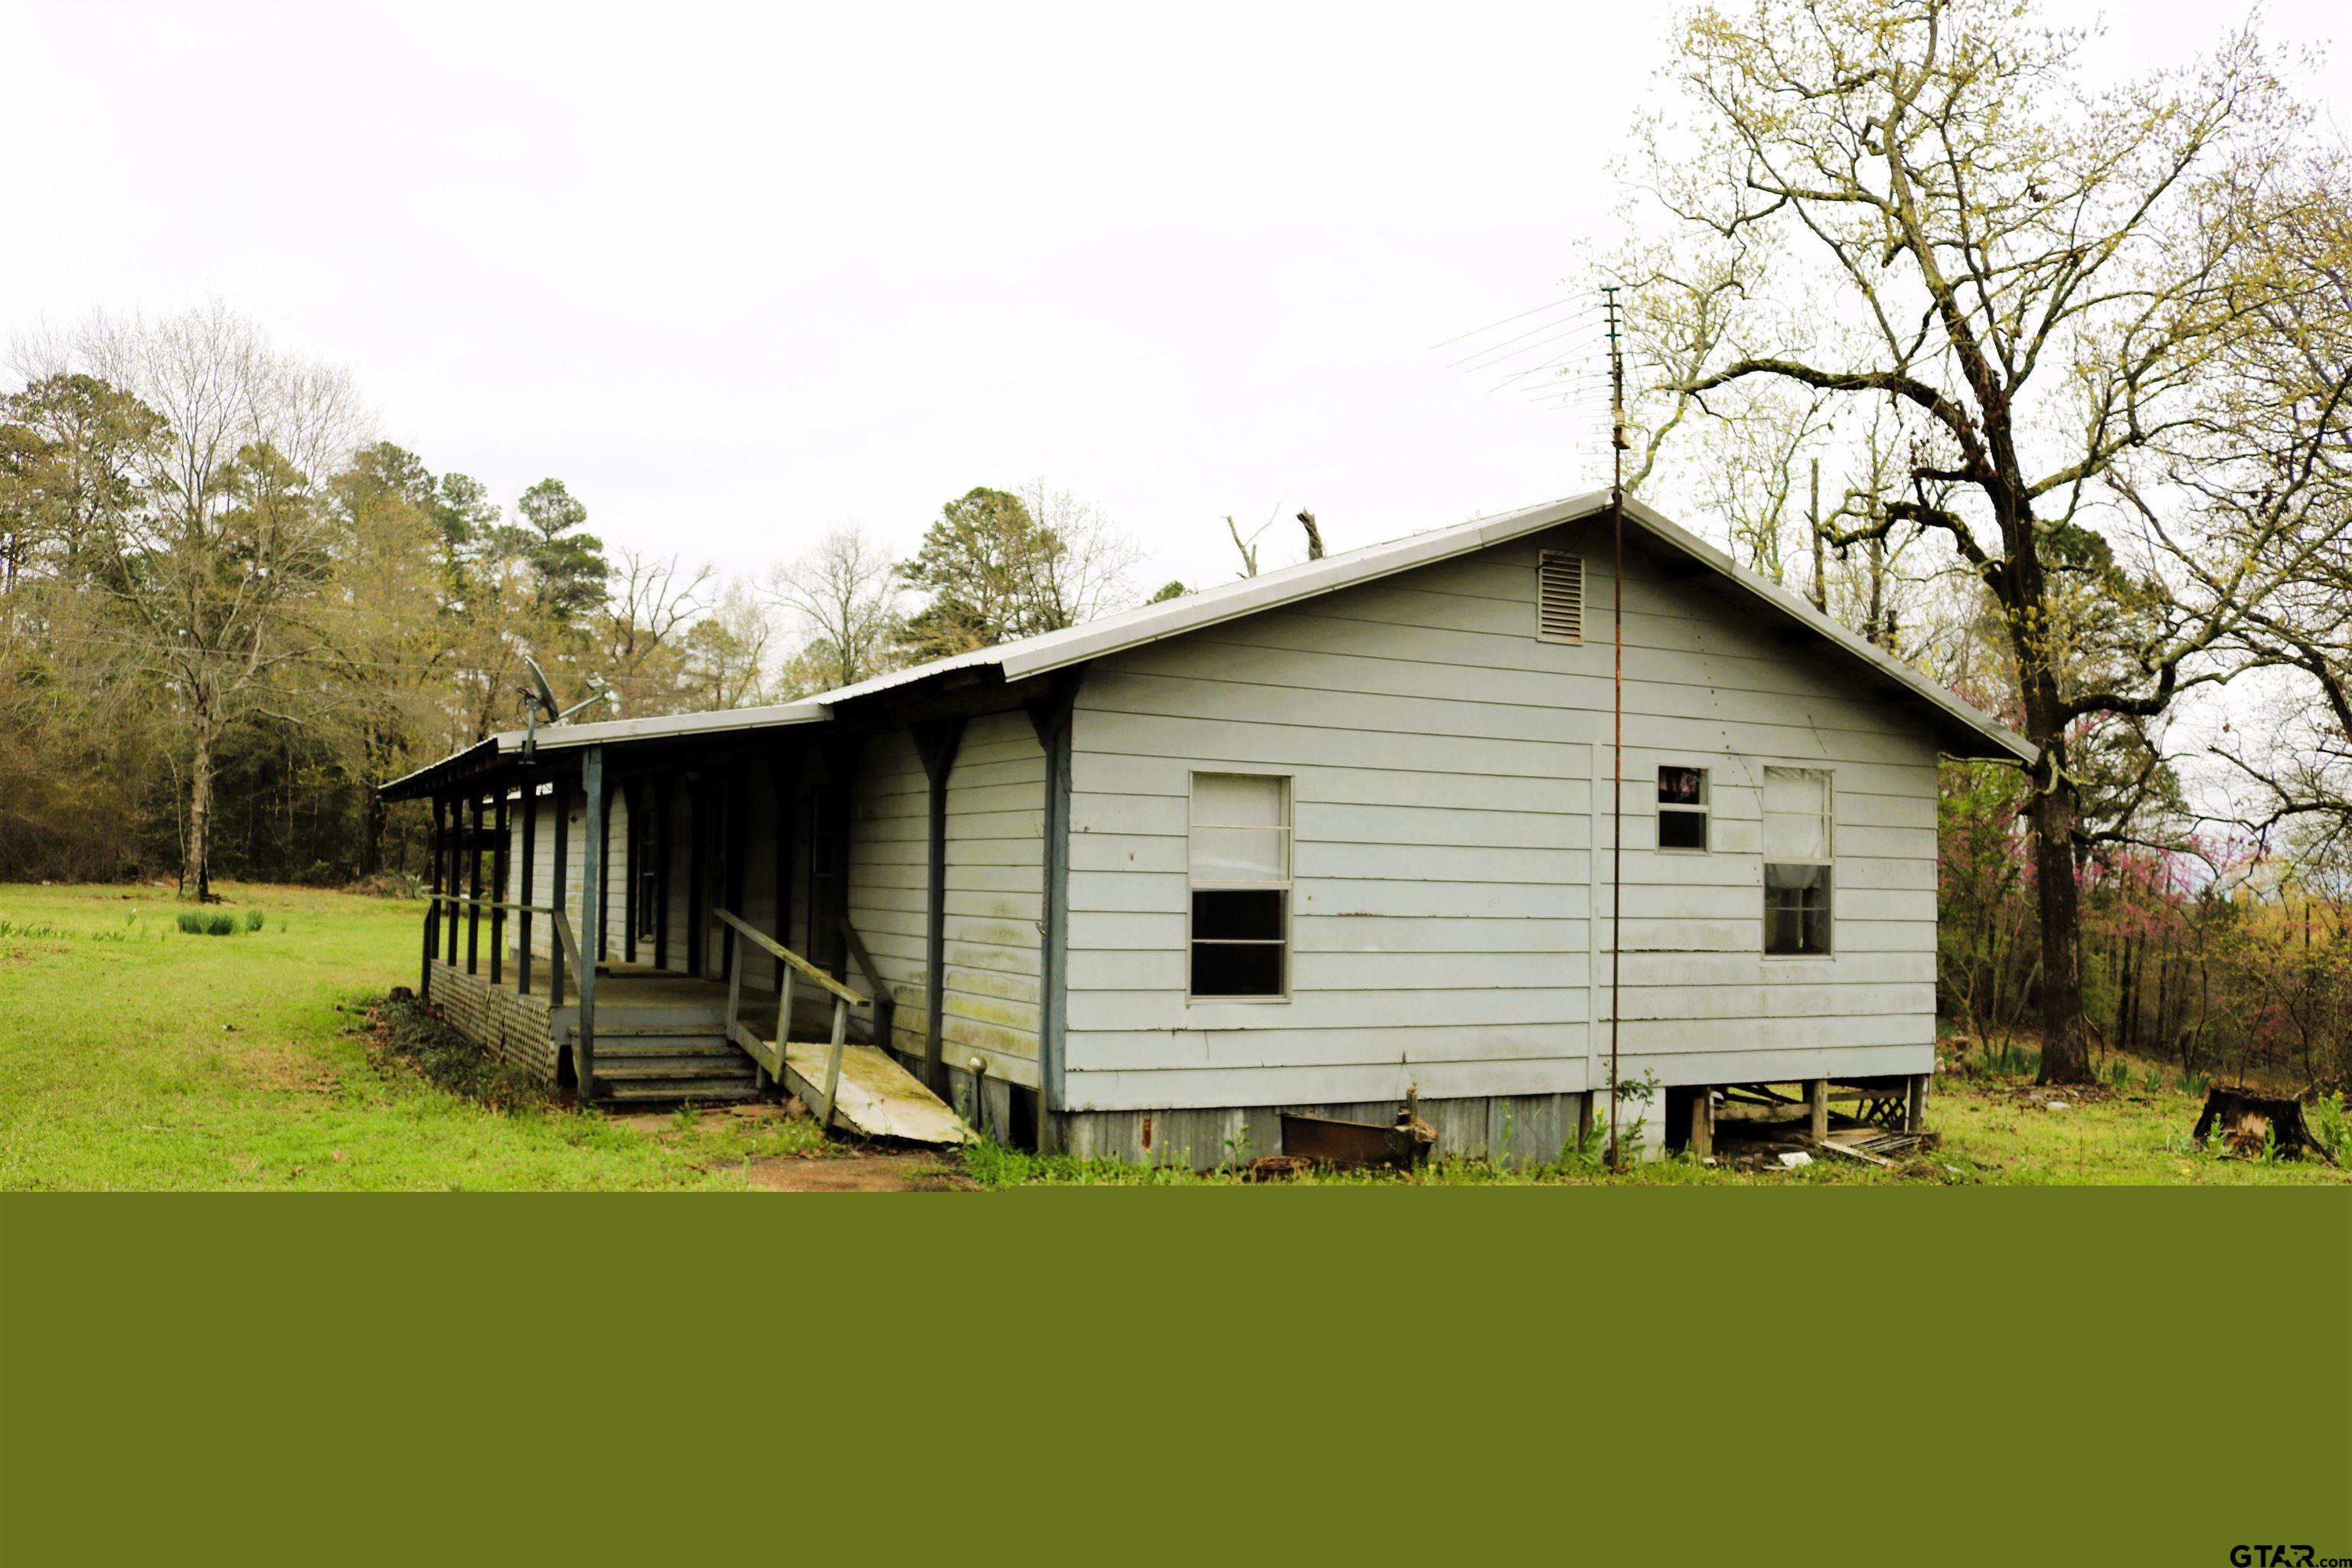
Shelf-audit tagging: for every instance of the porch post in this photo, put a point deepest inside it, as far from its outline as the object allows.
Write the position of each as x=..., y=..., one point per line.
x=452, y=887
x=1052, y=718
x=737, y=788
x=600, y=835
x=557, y=868
x=783, y=775
x=936, y=744
x=432, y=911
x=697, y=800
x=474, y=883
x=662, y=788
x=499, y=898
x=631, y=795
x=529, y=880
x=592, y=906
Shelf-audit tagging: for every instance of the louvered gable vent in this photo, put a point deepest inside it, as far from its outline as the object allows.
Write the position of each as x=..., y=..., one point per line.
x=1559, y=597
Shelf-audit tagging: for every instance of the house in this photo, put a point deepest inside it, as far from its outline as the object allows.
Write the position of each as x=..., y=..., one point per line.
x=1309, y=840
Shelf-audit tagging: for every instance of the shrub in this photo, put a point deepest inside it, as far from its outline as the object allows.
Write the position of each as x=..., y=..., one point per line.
x=197, y=923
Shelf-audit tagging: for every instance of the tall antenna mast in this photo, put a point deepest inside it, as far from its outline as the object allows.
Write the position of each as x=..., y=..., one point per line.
x=1617, y=691
x=1820, y=584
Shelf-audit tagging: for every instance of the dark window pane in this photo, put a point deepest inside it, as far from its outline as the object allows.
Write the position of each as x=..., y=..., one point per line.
x=1237, y=969
x=1237, y=913
x=1681, y=786
x=1681, y=831
x=1817, y=924
x=1796, y=908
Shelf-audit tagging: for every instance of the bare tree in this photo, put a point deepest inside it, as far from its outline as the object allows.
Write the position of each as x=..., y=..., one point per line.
x=728, y=651
x=212, y=572
x=1248, y=547
x=1088, y=570
x=649, y=603
x=2288, y=487
x=843, y=599
x=1928, y=208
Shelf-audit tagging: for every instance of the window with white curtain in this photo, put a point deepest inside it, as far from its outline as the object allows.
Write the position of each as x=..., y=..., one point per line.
x=1240, y=868
x=1798, y=861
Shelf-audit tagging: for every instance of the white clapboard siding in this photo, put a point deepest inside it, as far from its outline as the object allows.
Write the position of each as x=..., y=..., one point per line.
x=996, y=897
x=1450, y=888
x=543, y=888
x=888, y=877
x=1483, y=1072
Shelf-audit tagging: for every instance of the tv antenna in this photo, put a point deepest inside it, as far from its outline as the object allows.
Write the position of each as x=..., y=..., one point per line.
x=539, y=697
x=1617, y=609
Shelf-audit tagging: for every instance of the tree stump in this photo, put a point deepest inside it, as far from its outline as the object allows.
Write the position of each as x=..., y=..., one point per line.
x=2244, y=1119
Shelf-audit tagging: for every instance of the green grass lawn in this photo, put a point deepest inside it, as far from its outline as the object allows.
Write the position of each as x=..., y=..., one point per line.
x=133, y=1055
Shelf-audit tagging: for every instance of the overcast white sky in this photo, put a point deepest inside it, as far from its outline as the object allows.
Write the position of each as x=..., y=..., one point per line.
x=736, y=274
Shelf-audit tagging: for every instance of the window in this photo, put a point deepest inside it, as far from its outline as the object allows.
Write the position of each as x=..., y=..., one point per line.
x=1796, y=861
x=1559, y=597
x=1240, y=865
x=1682, y=808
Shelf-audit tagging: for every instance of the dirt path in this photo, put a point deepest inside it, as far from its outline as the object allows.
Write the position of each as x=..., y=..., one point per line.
x=859, y=1174
x=837, y=1167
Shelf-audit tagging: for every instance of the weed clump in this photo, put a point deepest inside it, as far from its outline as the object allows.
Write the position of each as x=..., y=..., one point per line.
x=413, y=1038
x=30, y=930
x=254, y=920
x=197, y=922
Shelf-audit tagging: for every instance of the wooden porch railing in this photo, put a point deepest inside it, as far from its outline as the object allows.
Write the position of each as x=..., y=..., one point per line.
x=770, y=1054
x=567, y=949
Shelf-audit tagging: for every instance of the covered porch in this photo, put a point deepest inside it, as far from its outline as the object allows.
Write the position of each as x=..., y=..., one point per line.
x=751, y=902
x=634, y=919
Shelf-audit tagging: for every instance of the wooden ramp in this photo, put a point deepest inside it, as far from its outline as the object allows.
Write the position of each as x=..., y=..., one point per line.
x=857, y=1086
x=876, y=1099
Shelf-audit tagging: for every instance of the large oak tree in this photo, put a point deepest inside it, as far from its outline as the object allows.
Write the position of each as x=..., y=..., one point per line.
x=1930, y=207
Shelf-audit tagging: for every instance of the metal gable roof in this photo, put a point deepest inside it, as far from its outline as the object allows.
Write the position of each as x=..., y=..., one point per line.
x=1961, y=729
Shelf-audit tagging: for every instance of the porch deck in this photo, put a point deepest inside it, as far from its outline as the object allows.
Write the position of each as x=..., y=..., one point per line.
x=662, y=1036
x=638, y=1010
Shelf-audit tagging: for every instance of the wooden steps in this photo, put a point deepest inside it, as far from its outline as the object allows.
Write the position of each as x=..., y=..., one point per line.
x=669, y=1063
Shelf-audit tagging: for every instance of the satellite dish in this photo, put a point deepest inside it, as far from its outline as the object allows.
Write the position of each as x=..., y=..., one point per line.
x=539, y=697
x=539, y=693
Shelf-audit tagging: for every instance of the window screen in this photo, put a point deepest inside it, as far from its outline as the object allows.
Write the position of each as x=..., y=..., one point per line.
x=1240, y=865
x=1682, y=808
x=1797, y=862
